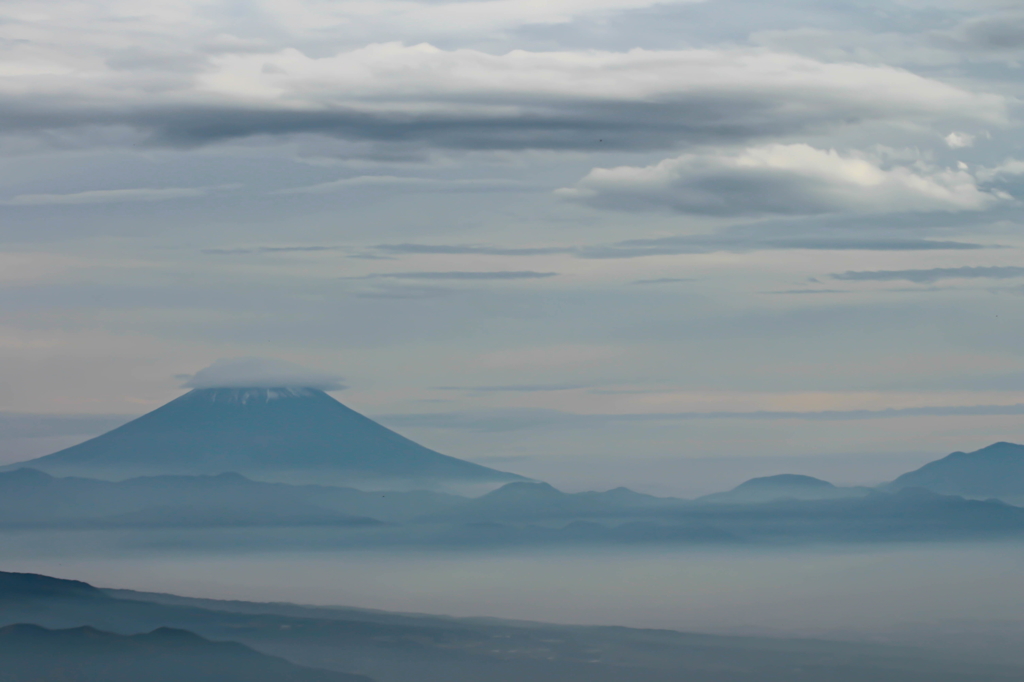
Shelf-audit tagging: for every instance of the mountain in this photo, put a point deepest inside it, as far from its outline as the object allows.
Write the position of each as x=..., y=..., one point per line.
x=782, y=487
x=529, y=501
x=395, y=647
x=30, y=498
x=994, y=471
x=297, y=435
x=31, y=653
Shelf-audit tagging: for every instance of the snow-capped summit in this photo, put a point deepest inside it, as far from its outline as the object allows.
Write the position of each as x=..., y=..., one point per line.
x=243, y=396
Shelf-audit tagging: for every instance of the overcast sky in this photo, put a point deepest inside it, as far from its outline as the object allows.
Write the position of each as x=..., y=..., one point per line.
x=544, y=235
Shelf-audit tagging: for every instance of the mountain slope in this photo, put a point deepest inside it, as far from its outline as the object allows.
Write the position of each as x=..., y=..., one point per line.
x=298, y=435
x=530, y=501
x=993, y=471
x=392, y=647
x=781, y=487
x=31, y=653
x=30, y=498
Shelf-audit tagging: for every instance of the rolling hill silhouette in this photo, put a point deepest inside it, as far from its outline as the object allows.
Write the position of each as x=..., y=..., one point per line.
x=31, y=653
x=298, y=435
x=782, y=487
x=993, y=471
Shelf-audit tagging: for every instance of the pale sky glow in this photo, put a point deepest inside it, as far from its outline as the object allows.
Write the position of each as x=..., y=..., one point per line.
x=531, y=234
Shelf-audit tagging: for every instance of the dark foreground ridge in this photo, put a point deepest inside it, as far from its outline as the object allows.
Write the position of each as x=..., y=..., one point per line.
x=30, y=653
x=392, y=647
x=294, y=434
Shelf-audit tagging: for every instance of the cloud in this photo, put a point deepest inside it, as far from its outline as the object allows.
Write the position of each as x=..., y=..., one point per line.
x=517, y=419
x=459, y=275
x=471, y=249
x=999, y=32
x=957, y=140
x=112, y=196
x=412, y=184
x=664, y=280
x=253, y=372
x=933, y=274
x=247, y=250
x=519, y=388
x=738, y=239
x=743, y=241
x=445, y=18
x=780, y=179
x=422, y=95
x=808, y=291
x=15, y=425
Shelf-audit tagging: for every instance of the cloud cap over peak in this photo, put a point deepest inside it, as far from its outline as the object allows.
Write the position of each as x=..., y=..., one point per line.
x=255, y=372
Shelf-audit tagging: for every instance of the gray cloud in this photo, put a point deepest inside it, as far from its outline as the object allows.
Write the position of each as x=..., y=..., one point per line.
x=664, y=280
x=737, y=239
x=781, y=179
x=414, y=184
x=112, y=196
x=741, y=241
x=471, y=249
x=255, y=372
x=997, y=32
x=461, y=275
x=524, y=388
x=14, y=425
x=419, y=95
x=247, y=250
x=407, y=292
x=505, y=420
x=933, y=274
x=807, y=291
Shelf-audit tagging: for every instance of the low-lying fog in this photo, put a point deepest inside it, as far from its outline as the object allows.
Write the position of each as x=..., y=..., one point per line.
x=954, y=594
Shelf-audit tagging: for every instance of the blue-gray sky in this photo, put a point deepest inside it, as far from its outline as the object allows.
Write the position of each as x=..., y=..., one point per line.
x=546, y=235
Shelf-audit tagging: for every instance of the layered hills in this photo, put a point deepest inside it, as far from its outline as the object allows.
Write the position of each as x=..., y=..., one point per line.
x=781, y=487
x=299, y=435
x=31, y=653
x=258, y=514
x=392, y=647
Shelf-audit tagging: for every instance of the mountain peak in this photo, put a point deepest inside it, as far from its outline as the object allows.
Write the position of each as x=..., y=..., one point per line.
x=244, y=395
x=784, y=481
x=24, y=585
x=996, y=470
x=289, y=434
x=521, y=490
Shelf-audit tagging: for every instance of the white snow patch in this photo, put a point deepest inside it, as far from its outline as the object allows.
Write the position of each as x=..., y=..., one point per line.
x=264, y=373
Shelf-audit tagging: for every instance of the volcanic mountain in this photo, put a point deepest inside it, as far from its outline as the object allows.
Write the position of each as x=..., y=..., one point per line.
x=298, y=435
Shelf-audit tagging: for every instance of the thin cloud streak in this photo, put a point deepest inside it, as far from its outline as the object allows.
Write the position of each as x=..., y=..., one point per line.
x=500, y=420
x=113, y=196
x=932, y=274
x=463, y=275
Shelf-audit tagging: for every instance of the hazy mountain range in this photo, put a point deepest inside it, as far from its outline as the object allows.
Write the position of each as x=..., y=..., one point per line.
x=31, y=653
x=390, y=647
x=202, y=451
x=516, y=514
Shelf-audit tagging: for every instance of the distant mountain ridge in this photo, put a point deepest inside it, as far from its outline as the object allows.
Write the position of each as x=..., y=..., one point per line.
x=30, y=653
x=299, y=435
x=993, y=471
x=782, y=487
x=31, y=498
